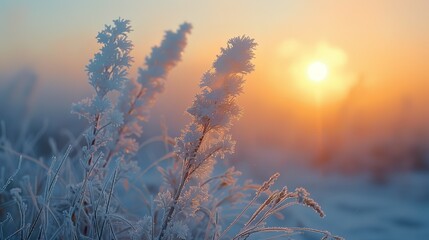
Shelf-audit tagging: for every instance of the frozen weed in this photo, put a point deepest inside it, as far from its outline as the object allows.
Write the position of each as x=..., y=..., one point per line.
x=84, y=199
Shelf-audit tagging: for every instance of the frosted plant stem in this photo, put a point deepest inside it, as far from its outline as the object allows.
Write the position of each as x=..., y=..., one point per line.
x=212, y=179
x=108, y=203
x=94, y=133
x=24, y=156
x=50, y=189
x=122, y=128
x=273, y=210
x=185, y=176
x=16, y=232
x=85, y=182
x=239, y=215
x=163, y=158
x=286, y=229
x=10, y=179
x=171, y=210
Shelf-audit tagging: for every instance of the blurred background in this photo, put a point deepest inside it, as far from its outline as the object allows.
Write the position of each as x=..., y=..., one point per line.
x=356, y=135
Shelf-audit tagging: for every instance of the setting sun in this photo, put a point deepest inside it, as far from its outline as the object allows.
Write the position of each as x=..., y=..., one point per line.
x=317, y=71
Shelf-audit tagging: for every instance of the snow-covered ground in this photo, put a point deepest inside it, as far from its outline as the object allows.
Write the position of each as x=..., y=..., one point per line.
x=357, y=208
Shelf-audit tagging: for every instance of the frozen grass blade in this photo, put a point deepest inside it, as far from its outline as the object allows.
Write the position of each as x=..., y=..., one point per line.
x=10, y=179
x=49, y=192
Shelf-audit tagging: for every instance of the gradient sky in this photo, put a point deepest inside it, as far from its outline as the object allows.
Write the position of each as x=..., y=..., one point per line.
x=374, y=34
x=384, y=42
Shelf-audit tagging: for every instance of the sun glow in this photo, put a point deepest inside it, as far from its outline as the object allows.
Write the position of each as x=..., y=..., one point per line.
x=317, y=71
x=320, y=68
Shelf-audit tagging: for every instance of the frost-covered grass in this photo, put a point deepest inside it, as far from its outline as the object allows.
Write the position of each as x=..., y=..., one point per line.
x=359, y=209
x=95, y=188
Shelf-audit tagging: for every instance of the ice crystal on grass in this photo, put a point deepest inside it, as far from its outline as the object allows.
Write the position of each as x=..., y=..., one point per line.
x=107, y=72
x=108, y=69
x=138, y=96
x=206, y=137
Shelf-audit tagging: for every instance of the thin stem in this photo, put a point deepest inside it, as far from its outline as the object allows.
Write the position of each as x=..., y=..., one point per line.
x=94, y=134
x=212, y=179
x=108, y=202
x=285, y=229
x=24, y=156
x=239, y=215
x=163, y=158
x=185, y=176
x=122, y=128
x=82, y=191
x=49, y=192
x=207, y=157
